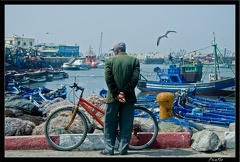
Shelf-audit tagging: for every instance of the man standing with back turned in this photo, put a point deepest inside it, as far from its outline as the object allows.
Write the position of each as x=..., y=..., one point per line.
x=121, y=75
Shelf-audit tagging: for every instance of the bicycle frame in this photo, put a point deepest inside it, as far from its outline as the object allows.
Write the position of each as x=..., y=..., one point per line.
x=51, y=127
x=85, y=104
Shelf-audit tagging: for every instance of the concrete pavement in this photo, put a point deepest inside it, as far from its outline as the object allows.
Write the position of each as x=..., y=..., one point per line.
x=95, y=141
x=145, y=153
x=164, y=147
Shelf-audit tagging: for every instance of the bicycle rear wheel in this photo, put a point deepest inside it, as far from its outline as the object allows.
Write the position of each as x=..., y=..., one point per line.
x=145, y=129
x=61, y=138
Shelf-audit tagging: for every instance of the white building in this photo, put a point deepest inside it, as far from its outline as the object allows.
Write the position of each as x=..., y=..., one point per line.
x=16, y=40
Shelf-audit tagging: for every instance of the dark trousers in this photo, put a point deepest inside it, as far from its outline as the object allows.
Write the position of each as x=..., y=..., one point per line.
x=122, y=115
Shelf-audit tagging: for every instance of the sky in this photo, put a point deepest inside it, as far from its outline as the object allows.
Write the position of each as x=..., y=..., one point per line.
x=138, y=26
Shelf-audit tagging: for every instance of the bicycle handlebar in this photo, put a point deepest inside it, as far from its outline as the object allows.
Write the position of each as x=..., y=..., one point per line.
x=77, y=87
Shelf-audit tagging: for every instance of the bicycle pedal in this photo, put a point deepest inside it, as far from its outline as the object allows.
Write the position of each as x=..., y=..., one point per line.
x=99, y=128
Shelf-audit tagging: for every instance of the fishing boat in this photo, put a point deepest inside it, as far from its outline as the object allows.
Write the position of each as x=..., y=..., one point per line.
x=58, y=75
x=188, y=74
x=38, y=78
x=11, y=89
x=205, y=110
x=222, y=61
x=220, y=65
x=199, y=109
x=149, y=60
x=52, y=73
x=204, y=117
x=78, y=63
x=49, y=77
x=51, y=94
x=14, y=76
x=37, y=94
x=101, y=64
x=24, y=80
x=91, y=58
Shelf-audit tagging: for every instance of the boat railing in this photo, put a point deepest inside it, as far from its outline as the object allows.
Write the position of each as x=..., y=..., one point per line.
x=71, y=60
x=169, y=71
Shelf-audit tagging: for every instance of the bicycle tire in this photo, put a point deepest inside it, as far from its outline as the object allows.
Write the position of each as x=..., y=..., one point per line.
x=145, y=129
x=61, y=139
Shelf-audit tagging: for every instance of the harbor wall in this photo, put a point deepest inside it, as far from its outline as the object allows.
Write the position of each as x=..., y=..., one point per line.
x=56, y=62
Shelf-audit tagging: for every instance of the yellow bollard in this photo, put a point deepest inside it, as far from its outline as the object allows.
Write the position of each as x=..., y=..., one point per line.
x=165, y=99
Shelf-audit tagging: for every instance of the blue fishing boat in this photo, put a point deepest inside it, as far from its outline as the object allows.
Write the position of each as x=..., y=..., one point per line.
x=188, y=74
x=11, y=90
x=203, y=117
x=37, y=94
x=50, y=94
x=192, y=101
x=198, y=109
x=218, y=104
x=38, y=79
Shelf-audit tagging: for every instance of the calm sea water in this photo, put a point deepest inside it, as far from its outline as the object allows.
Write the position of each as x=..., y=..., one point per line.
x=93, y=80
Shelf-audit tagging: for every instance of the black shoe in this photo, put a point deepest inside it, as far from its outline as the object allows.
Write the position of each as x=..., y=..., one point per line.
x=103, y=152
x=125, y=153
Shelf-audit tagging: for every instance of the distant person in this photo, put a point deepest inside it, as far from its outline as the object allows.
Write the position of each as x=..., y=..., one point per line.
x=182, y=97
x=121, y=75
x=170, y=58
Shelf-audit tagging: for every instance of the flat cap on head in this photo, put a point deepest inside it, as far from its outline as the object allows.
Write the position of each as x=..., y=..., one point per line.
x=119, y=46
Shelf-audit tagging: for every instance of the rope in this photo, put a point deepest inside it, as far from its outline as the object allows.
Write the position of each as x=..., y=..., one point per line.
x=233, y=94
x=197, y=50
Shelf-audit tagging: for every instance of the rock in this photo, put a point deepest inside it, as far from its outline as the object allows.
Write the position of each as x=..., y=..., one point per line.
x=229, y=140
x=206, y=140
x=39, y=130
x=56, y=103
x=37, y=120
x=9, y=113
x=232, y=127
x=17, y=127
x=171, y=127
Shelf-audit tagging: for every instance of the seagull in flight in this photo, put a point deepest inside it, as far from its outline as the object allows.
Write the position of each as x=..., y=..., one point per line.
x=165, y=35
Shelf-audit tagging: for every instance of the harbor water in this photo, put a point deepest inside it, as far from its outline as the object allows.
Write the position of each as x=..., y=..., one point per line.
x=92, y=80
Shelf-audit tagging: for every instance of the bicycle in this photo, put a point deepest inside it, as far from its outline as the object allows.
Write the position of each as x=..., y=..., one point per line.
x=74, y=124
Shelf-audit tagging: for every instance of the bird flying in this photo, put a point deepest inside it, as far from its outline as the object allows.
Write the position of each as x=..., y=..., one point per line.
x=165, y=35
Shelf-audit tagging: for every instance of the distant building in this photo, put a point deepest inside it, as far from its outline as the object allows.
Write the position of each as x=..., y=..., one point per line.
x=68, y=51
x=43, y=49
x=15, y=40
x=47, y=49
x=59, y=50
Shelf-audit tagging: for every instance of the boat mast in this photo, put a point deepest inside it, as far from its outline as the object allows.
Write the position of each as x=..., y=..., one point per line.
x=215, y=54
x=100, y=48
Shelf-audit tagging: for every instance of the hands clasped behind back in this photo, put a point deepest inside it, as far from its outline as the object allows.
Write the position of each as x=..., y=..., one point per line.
x=121, y=97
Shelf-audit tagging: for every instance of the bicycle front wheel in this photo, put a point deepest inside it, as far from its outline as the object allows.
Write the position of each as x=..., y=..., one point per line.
x=59, y=136
x=145, y=129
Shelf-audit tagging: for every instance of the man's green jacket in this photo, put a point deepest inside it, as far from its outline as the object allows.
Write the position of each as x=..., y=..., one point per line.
x=121, y=75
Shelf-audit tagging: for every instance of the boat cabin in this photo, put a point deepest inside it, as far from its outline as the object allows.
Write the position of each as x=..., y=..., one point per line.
x=184, y=73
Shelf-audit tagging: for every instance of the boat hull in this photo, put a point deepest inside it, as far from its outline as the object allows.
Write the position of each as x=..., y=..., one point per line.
x=24, y=81
x=153, y=61
x=39, y=79
x=215, y=88
x=75, y=67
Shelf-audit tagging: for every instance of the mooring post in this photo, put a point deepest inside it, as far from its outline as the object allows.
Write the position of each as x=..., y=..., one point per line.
x=165, y=99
